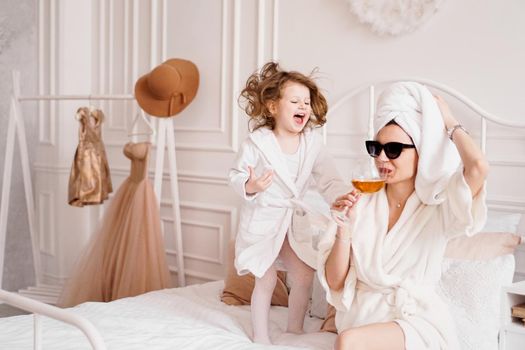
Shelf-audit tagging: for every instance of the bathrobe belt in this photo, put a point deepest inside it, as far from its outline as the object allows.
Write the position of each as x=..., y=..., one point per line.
x=321, y=220
x=406, y=298
x=291, y=203
x=277, y=203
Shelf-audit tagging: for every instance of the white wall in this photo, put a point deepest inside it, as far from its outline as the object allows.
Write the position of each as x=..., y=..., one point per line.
x=477, y=47
x=17, y=51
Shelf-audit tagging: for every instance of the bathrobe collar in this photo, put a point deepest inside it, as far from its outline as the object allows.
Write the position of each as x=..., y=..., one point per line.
x=265, y=140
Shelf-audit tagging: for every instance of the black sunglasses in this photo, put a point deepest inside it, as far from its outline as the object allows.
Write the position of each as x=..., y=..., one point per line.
x=392, y=149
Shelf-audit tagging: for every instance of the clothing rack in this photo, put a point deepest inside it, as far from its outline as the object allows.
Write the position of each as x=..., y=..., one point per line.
x=165, y=138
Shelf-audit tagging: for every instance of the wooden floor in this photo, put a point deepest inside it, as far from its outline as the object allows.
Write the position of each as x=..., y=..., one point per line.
x=7, y=310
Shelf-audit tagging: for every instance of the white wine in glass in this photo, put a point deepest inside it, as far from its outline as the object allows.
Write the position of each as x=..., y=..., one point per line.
x=368, y=185
x=366, y=179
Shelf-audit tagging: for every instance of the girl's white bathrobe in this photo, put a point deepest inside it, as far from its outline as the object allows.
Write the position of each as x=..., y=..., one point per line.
x=393, y=275
x=266, y=217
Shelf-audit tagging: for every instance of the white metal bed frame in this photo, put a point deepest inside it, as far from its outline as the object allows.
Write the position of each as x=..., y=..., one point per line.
x=38, y=308
x=83, y=324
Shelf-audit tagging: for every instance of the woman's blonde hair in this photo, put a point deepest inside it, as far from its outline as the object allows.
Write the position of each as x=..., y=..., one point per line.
x=266, y=85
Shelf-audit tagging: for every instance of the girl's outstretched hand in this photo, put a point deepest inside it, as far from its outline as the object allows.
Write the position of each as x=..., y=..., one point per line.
x=258, y=184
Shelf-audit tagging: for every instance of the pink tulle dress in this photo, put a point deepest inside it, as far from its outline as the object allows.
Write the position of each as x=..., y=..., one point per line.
x=126, y=257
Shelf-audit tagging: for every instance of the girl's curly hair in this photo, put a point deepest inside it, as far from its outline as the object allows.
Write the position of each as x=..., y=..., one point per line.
x=266, y=85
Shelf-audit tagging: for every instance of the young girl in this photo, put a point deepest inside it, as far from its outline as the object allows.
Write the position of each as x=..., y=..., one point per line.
x=272, y=173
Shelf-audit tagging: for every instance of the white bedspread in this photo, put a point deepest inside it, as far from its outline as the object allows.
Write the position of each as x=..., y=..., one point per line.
x=182, y=318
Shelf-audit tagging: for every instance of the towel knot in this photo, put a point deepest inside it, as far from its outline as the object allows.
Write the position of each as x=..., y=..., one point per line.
x=403, y=302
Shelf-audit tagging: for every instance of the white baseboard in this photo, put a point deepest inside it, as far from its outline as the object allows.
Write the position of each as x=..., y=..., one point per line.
x=45, y=293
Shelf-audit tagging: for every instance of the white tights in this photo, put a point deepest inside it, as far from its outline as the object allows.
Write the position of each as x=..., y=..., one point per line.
x=300, y=276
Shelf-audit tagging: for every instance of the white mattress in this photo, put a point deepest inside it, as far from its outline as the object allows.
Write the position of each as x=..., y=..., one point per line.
x=182, y=318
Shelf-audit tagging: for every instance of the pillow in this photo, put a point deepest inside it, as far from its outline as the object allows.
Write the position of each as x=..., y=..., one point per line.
x=482, y=246
x=238, y=289
x=318, y=304
x=329, y=321
x=472, y=290
x=521, y=226
x=501, y=221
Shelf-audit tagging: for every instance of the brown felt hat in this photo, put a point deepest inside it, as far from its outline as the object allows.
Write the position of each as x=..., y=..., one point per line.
x=168, y=88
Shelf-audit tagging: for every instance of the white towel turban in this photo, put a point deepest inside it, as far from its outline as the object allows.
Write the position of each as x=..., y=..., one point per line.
x=412, y=106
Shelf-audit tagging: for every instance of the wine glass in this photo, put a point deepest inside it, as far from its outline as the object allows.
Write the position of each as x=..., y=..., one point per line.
x=366, y=179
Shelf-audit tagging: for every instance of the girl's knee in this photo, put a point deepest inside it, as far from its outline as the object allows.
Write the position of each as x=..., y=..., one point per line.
x=267, y=282
x=303, y=279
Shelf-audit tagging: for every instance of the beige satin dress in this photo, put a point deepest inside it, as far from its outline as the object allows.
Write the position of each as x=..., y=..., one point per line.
x=126, y=257
x=89, y=181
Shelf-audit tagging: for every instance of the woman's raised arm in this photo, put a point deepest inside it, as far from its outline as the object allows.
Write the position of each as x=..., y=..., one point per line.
x=475, y=164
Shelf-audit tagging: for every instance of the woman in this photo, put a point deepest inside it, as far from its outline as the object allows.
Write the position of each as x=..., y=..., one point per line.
x=380, y=271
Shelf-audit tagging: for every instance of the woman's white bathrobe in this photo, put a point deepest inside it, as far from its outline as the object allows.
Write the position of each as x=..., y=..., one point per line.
x=393, y=275
x=265, y=217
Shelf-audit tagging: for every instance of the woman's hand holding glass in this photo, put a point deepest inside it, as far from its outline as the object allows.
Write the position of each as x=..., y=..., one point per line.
x=365, y=179
x=342, y=212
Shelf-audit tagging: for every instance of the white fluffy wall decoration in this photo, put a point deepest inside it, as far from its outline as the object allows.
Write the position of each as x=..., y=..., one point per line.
x=393, y=17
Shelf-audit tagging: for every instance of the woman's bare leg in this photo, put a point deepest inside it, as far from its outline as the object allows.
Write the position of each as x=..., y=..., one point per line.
x=301, y=277
x=376, y=336
x=260, y=305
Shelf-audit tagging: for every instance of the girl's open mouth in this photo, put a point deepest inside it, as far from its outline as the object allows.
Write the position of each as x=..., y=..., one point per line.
x=299, y=118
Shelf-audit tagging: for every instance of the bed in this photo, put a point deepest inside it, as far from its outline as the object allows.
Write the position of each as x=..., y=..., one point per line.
x=192, y=317
x=195, y=318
